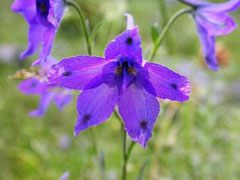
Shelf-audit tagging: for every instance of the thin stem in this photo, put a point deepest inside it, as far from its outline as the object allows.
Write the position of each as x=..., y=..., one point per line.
x=94, y=143
x=166, y=29
x=124, y=148
x=83, y=23
x=185, y=2
x=126, y=153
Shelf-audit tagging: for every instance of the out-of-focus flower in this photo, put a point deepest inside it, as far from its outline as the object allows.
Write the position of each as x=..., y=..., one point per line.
x=64, y=142
x=47, y=92
x=43, y=17
x=120, y=79
x=65, y=176
x=223, y=55
x=212, y=20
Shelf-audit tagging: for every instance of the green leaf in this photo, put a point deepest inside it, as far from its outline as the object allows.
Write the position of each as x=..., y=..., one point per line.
x=94, y=32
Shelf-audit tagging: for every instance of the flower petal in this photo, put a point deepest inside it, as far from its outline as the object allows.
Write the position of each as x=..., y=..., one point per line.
x=76, y=72
x=139, y=111
x=208, y=45
x=56, y=11
x=45, y=101
x=127, y=44
x=130, y=21
x=168, y=84
x=216, y=23
x=228, y=6
x=62, y=99
x=95, y=106
x=48, y=38
x=35, y=35
x=32, y=86
x=25, y=7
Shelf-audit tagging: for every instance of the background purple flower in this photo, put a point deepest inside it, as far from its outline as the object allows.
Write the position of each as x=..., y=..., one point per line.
x=43, y=17
x=47, y=92
x=212, y=20
x=120, y=79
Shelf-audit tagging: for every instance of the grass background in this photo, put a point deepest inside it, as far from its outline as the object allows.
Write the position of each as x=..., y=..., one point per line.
x=196, y=140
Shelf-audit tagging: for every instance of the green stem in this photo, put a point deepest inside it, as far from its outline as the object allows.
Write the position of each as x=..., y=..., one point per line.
x=126, y=153
x=83, y=23
x=166, y=29
x=124, y=148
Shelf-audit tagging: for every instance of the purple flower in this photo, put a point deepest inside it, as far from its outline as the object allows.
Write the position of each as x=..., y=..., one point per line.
x=212, y=20
x=120, y=79
x=47, y=92
x=43, y=17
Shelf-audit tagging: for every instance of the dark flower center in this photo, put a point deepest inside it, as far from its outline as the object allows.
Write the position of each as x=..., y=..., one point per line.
x=125, y=65
x=43, y=7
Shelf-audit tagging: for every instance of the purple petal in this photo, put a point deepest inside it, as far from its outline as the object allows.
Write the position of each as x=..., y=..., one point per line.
x=25, y=7
x=65, y=176
x=35, y=35
x=139, y=111
x=216, y=23
x=32, y=86
x=127, y=44
x=208, y=45
x=76, y=72
x=45, y=101
x=168, y=84
x=95, y=106
x=228, y=6
x=130, y=21
x=48, y=38
x=62, y=99
x=56, y=11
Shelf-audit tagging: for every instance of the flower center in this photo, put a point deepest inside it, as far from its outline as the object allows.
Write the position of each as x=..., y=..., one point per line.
x=125, y=65
x=43, y=7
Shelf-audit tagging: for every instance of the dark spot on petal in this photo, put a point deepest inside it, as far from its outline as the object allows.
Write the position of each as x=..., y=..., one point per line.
x=33, y=84
x=86, y=118
x=67, y=73
x=207, y=59
x=129, y=41
x=174, y=86
x=143, y=124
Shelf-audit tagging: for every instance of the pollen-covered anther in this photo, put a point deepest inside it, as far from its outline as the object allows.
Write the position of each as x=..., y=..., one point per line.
x=118, y=70
x=131, y=70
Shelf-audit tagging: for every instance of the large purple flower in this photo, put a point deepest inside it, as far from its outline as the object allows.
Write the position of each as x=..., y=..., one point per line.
x=212, y=20
x=43, y=17
x=120, y=79
x=47, y=92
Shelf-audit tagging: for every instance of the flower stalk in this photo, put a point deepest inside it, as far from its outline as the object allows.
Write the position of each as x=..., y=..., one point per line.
x=83, y=24
x=166, y=29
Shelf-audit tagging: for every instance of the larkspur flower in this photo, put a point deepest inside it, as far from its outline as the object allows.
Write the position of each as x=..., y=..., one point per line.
x=47, y=92
x=120, y=79
x=43, y=17
x=212, y=20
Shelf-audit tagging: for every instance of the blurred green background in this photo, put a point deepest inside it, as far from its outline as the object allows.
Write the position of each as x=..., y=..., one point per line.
x=196, y=140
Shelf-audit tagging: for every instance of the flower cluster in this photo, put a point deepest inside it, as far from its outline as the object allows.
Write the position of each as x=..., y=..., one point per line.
x=121, y=78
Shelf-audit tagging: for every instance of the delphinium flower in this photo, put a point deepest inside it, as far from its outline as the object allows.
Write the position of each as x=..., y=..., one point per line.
x=212, y=20
x=120, y=78
x=43, y=17
x=47, y=92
